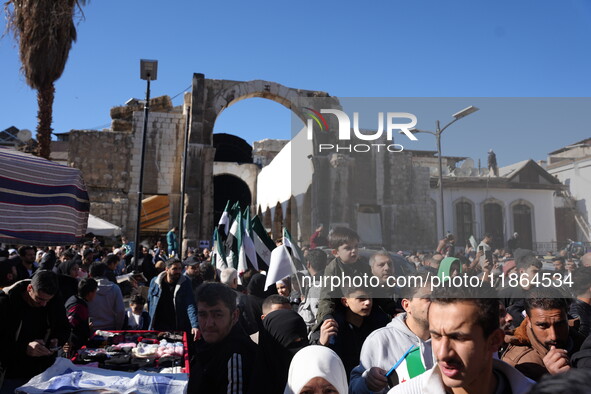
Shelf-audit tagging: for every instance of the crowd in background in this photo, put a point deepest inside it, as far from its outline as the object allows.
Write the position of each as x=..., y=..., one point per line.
x=528, y=321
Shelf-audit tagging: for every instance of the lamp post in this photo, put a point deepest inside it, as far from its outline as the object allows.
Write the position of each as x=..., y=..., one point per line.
x=148, y=72
x=439, y=130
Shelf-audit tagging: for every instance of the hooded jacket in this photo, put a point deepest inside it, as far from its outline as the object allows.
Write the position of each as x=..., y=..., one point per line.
x=383, y=348
x=444, y=271
x=16, y=313
x=284, y=333
x=107, y=309
x=430, y=382
x=184, y=302
x=526, y=353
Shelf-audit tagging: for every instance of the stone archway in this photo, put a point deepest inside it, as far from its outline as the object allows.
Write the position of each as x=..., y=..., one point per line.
x=209, y=98
x=228, y=187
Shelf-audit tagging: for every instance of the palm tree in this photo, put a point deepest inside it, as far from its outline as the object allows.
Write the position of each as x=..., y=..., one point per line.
x=44, y=30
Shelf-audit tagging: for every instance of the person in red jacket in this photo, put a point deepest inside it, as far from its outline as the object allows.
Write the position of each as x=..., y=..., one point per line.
x=77, y=310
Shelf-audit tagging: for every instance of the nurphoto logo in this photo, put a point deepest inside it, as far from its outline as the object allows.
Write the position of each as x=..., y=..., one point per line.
x=391, y=119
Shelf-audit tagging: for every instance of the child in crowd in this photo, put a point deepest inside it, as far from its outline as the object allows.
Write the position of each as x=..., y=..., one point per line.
x=343, y=242
x=136, y=318
x=348, y=330
x=77, y=311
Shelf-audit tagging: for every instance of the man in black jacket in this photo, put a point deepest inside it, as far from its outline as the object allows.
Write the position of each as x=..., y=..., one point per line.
x=581, y=306
x=24, y=264
x=224, y=356
x=33, y=325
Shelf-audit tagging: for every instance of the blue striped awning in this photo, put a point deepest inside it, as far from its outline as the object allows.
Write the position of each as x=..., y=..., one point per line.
x=41, y=202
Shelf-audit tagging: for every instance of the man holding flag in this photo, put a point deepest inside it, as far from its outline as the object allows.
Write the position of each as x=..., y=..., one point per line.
x=464, y=326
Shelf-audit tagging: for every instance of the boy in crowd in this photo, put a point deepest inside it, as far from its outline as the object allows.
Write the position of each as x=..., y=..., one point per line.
x=343, y=242
x=136, y=318
x=346, y=333
x=77, y=310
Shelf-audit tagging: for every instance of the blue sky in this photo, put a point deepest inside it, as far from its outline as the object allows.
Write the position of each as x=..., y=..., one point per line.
x=526, y=48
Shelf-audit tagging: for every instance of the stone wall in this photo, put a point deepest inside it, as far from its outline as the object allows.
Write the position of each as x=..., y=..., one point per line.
x=264, y=151
x=110, y=163
x=162, y=163
x=103, y=158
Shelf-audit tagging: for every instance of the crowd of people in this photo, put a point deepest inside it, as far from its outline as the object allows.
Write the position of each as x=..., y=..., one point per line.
x=521, y=326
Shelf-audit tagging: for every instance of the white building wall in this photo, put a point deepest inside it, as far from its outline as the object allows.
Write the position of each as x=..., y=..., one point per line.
x=541, y=203
x=289, y=174
x=577, y=176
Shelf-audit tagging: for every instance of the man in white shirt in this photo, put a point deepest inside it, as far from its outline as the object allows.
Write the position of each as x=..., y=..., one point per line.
x=465, y=334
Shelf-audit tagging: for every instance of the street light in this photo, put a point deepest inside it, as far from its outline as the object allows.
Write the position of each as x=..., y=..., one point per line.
x=148, y=72
x=457, y=116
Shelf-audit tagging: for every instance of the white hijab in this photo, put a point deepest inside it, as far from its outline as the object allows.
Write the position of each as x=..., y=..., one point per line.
x=312, y=362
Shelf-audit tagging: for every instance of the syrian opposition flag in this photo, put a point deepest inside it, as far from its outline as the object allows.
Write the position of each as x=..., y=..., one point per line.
x=224, y=223
x=234, y=241
x=281, y=265
x=297, y=254
x=263, y=244
x=248, y=256
x=218, y=258
x=410, y=365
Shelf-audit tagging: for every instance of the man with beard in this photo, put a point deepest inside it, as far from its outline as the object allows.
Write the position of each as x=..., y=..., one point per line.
x=385, y=346
x=543, y=343
x=25, y=267
x=170, y=300
x=192, y=272
x=465, y=334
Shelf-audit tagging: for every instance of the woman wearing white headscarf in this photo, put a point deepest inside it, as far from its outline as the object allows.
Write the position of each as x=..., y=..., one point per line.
x=314, y=369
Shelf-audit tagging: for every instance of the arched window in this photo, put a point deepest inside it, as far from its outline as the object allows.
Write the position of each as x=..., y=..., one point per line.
x=522, y=224
x=494, y=223
x=464, y=222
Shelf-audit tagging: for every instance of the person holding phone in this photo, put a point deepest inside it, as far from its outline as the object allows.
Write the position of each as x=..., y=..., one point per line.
x=34, y=325
x=485, y=249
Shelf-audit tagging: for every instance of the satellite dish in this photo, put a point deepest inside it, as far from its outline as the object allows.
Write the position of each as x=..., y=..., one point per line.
x=24, y=135
x=468, y=163
x=462, y=171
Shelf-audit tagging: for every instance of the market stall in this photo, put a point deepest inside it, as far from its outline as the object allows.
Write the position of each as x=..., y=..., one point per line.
x=122, y=362
x=41, y=202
